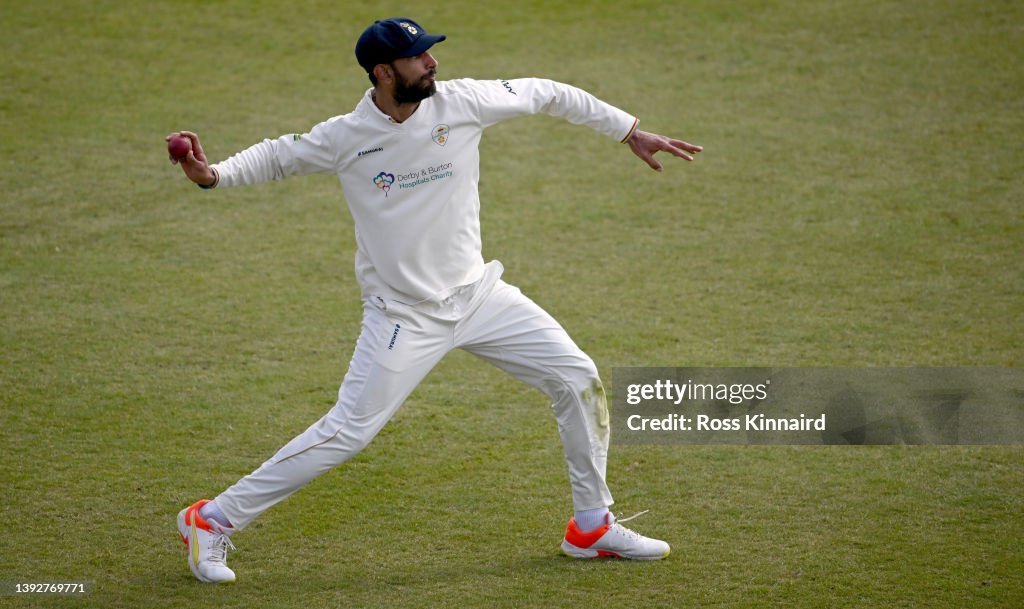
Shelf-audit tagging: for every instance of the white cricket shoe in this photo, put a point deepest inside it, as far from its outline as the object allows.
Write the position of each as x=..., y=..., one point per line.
x=207, y=543
x=612, y=540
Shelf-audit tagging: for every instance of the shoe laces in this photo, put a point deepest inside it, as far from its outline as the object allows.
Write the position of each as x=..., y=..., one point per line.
x=617, y=526
x=637, y=515
x=217, y=550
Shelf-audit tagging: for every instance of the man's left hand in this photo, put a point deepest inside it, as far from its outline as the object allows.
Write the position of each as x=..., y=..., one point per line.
x=645, y=145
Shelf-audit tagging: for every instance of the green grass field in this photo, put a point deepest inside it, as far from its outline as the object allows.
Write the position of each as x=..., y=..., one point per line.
x=858, y=203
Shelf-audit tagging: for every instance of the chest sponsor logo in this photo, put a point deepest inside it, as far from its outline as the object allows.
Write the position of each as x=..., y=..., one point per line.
x=363, y=153
x=414, y=177
x=440, y=134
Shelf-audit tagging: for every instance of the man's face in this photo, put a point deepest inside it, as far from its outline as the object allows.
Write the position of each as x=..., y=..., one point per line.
x=414, y=78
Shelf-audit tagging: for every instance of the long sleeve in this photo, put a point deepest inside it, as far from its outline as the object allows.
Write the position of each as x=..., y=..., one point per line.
x=503, y=99
x=288, y=155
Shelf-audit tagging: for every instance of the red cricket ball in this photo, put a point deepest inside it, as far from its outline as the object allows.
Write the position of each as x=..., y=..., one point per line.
x=178, y=147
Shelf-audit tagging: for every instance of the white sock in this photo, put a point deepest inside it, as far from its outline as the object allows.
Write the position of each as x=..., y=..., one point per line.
x=211, y=511
x=588, y=520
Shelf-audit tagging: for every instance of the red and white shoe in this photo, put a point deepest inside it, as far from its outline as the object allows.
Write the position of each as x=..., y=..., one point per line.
x=207, y=543
x=612, y=540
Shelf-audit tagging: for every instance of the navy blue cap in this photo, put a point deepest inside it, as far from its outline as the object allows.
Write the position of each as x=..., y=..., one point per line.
x=390, y=39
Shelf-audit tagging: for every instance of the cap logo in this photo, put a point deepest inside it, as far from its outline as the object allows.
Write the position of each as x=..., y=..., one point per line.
x=409, y=28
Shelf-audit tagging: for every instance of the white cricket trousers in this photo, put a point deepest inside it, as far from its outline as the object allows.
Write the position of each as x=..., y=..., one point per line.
x=399, y=344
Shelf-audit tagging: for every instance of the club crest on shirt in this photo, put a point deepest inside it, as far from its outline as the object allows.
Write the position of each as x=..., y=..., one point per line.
x=440, y=134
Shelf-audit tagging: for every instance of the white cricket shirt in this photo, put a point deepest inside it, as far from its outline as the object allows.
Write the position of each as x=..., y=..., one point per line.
x=412, y=186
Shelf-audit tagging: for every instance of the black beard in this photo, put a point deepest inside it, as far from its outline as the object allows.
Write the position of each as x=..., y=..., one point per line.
x=412, y=93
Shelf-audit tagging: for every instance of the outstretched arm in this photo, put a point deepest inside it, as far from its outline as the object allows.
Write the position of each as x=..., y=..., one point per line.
x=645, y=145
x=500, y=100
x=291, y=154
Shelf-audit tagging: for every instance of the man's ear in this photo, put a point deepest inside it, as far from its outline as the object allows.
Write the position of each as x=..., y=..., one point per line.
x=383, y=73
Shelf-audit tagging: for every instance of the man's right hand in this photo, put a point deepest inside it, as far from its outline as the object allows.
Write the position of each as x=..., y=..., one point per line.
x=195, y=165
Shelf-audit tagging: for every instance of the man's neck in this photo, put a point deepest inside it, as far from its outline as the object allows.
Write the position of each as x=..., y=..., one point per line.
x=387, y=104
